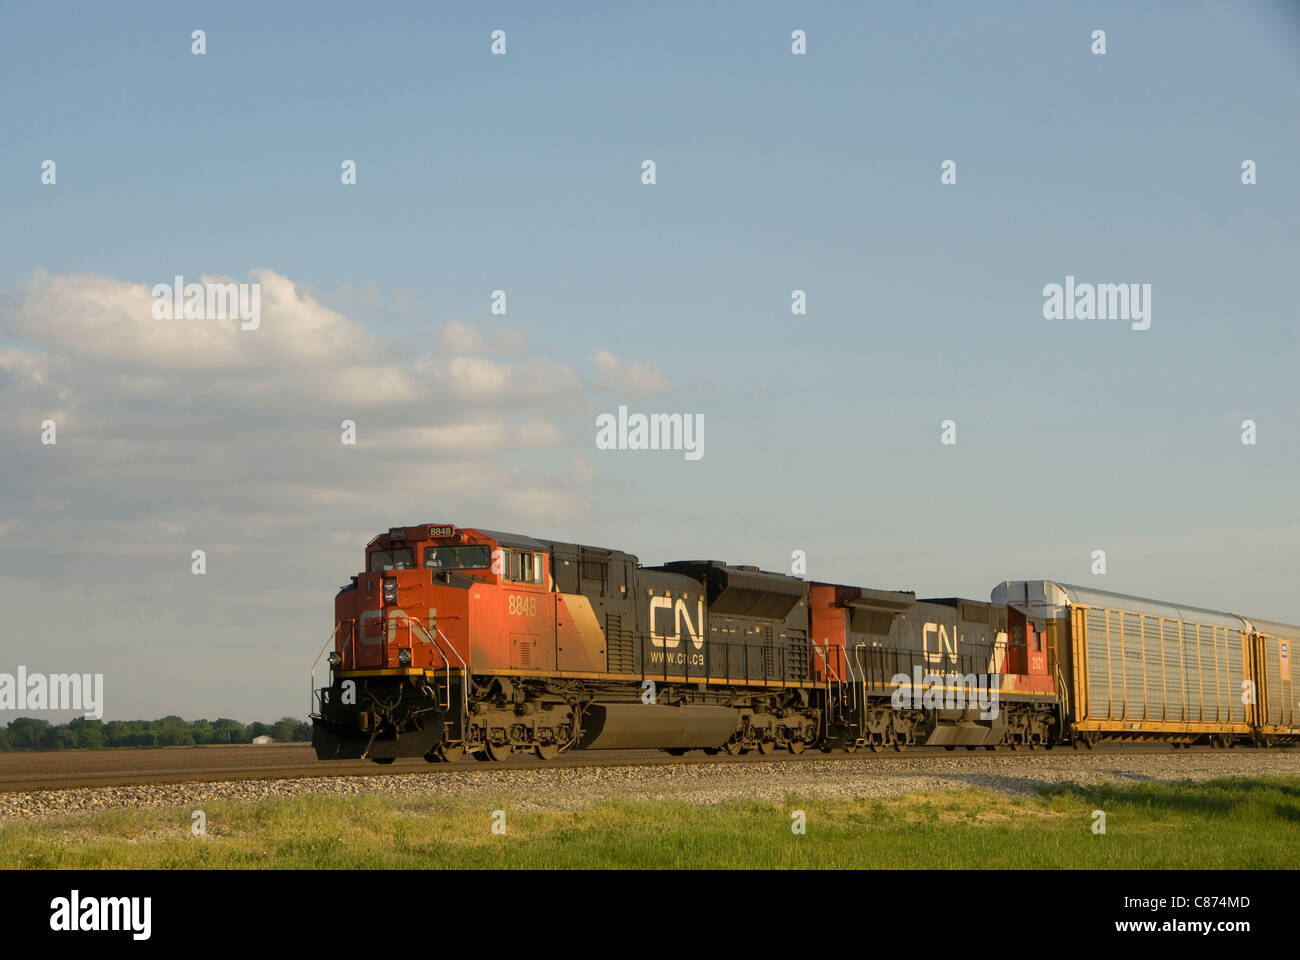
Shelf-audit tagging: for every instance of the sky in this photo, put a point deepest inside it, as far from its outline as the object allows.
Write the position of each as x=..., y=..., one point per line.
x=523, y=172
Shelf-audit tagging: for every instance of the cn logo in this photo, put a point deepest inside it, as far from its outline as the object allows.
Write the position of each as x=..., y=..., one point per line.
x=681, y=615
x=947, y=645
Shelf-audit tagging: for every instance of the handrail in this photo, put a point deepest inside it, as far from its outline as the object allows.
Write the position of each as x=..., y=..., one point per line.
x=312, y=711
x=431, y=638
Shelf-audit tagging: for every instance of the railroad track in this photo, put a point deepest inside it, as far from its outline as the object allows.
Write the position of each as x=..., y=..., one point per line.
x=136, y=770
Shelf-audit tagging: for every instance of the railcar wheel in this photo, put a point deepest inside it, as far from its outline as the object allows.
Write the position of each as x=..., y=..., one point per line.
x=384, y=759
x=852, y=746
x=546, y=751
x=797, y=747
x=733, y=748
x=446, y=753
x=452, y=752
x=675, y=751
x=950, y=747
x=712, y=751
x=497, y=751
x=900, y=744
x=765, y=747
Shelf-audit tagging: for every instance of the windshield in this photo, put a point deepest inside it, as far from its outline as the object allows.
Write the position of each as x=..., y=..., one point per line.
x=392, y=560
x=456, y=558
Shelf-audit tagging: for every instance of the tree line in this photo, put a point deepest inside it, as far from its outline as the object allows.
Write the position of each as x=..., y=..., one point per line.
x=29, y=733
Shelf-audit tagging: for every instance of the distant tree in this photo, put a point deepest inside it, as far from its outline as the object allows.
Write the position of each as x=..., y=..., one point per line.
x=174, y=737
x=202, y=731
x=228, y=731
x=283, y=729
x=116, y=732
x=89, y=733
x=61, y=738
x=28, y=733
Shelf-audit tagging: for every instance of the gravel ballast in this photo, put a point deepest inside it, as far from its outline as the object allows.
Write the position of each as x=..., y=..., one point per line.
x=844, y=778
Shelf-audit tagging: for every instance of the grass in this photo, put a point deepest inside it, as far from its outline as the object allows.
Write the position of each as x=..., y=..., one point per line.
x=1220, y=824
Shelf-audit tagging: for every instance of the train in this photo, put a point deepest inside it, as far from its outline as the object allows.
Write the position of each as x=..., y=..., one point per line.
x=456, y=641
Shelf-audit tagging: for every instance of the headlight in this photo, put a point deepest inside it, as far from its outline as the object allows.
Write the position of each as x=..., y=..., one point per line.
x=390, y=591
x=404, y=656
x=334, y=658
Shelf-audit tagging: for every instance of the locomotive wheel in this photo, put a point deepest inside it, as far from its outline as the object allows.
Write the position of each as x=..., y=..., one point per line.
x=766, y=746
x=796, y=746
x=445, y=753
x=497, y=751
x=384, y=759
x=547, y=751
x=733, y=748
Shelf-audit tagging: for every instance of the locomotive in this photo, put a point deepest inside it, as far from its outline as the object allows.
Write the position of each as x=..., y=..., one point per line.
x=457, y=641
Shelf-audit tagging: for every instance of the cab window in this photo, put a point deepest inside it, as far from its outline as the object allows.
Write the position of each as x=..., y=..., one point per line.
x=403, y=559
x=524, y=566
x=456, y=558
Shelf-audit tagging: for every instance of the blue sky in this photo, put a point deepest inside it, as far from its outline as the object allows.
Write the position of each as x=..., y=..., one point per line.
x=522, y=172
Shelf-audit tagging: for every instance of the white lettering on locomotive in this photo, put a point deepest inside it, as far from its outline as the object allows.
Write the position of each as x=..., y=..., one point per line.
x=946, y=645
x=680, y=614
x=521, y=606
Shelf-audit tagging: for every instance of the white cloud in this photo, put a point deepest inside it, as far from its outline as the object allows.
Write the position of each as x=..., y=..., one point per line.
x=199, y=429
x=628, y=379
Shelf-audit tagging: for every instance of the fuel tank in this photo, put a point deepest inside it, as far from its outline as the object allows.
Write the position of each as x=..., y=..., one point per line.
x=632, y=726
